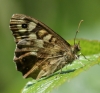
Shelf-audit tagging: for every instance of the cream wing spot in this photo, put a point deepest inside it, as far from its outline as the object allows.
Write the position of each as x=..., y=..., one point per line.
x=33, y=53
x=12, y=20
x=22, y=30
x=53, y=40
x=19, y=25
x=42, y=33
x=47, y=37
x=33, y=36
x=39, y=43
x=31, y=26
x=18, y=37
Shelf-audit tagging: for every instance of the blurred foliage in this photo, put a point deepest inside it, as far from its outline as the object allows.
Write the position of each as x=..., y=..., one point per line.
x=63, y=17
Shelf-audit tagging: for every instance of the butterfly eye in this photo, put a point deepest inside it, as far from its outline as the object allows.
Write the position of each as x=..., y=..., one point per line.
x=24, y=25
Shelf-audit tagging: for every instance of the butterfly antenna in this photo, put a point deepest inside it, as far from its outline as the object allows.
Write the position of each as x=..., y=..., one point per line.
x=77, y=30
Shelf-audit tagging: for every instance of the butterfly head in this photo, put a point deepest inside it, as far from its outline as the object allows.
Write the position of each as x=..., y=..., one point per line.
x=76, y=48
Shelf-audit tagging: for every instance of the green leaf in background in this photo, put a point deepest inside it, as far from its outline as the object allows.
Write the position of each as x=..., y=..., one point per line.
x=45, y=85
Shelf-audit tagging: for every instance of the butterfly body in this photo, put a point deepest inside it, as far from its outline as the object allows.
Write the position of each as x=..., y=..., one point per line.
x=39, y=50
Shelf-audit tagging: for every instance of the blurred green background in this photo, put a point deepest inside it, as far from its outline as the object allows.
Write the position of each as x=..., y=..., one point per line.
x=63, y=17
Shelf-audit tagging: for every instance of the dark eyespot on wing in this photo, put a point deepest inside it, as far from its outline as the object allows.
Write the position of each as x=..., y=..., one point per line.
x=24, y=26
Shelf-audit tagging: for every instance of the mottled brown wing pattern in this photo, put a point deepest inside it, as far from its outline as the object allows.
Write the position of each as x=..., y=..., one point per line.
x=39, y=50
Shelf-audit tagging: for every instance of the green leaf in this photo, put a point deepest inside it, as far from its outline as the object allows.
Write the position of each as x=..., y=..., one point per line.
x=45, y=85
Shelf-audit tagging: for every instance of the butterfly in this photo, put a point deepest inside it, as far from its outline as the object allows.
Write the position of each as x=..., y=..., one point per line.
x=39, y=50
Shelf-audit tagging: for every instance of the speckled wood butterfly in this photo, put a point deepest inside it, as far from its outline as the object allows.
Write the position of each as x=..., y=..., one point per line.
x=39, y=50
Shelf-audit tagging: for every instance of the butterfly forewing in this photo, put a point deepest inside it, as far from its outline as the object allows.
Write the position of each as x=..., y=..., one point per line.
x=39, y=50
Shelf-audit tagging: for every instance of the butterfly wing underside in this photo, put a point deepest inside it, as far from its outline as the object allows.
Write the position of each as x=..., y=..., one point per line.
x=39, y=50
